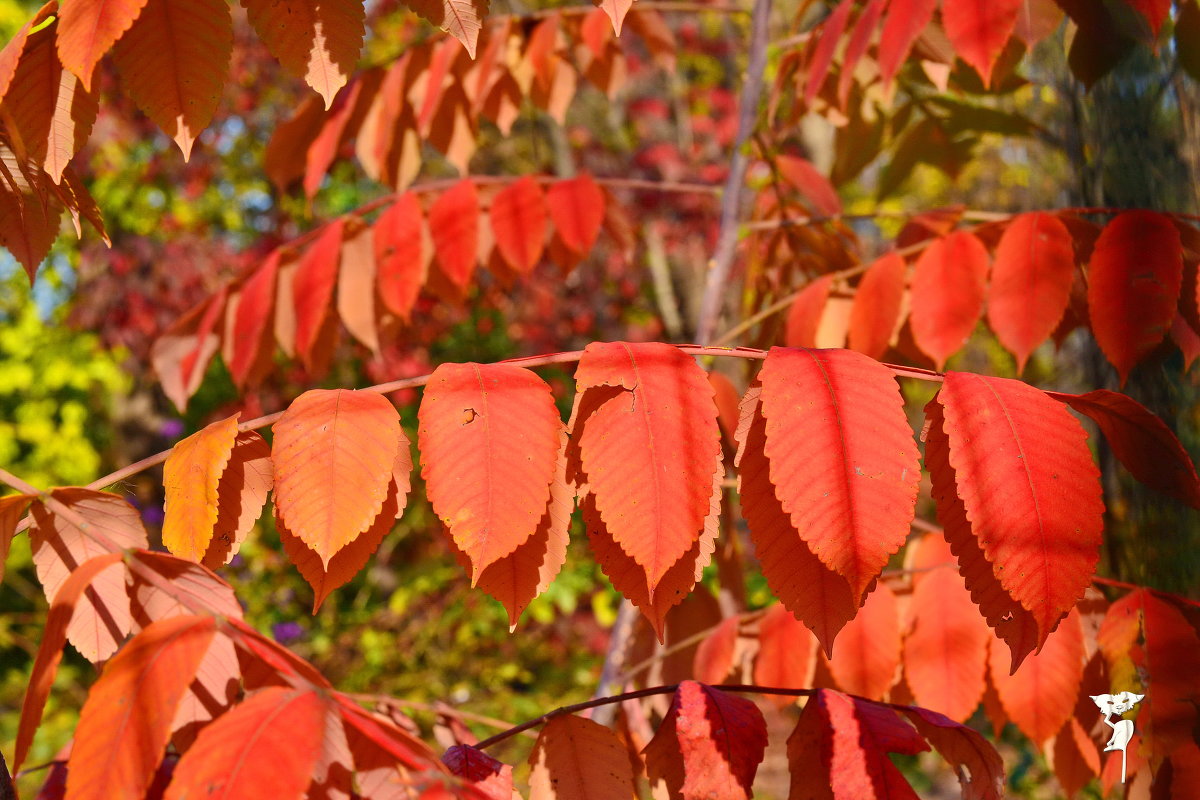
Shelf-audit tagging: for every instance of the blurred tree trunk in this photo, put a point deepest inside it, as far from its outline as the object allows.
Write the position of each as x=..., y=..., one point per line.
x=1133, y=143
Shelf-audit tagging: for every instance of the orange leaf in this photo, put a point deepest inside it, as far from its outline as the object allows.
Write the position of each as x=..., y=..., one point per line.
x=1170, y=664
x=856, y=48
x=842, y=456
x=1036, y=20
x=286, y=153
x=616, y=11
x=1040, y=696
x=714, y=656
x=804, y=314
x=808, y=180
x=126, y=722
x=1076, y=760
x=1134, y=279
x=462, y=19
x=807, y=588
x=317, y=40
x=518, y=215
x=191, y=475
x=173, y=62
x=1142, y=441
x=356, y=287
x=401, y=254
x=945, y=652
x=832, y=28
x=341, y=120
x=983, y=776
x=12, y=508
x=253, y=322
x=1031, y=492
x=877, y=303
x=181, y=353
x=786, y=654
x=10, y=55
x=577, y=759
x=728, y=398
x=1031, y=282
x=577, y=208
x=902, y=24
x=1011, y=621
x=709, y=745
x=489, y=438
x=947, y=294
x=868, y=656
x=648, y=413
x=87, y=30
x=526, y=572
x=334, y=452
x=265, y=747
x=312, y=288
x=454, y=224
x=347, y=562
x=185, y=586
x=60, y=545
x=979, y=29
x=241, y=494
x=50, y=649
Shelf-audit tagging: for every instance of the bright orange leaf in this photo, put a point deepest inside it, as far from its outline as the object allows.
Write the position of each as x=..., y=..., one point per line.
x=454, y=224
x=317, y=40
x=1041, y=694
x=867, y=659
x=947, y=294
x=877, y=303
x=979, y=29
x=190, y=477
x=577, y=209
x=577, y=759
x=518, y=215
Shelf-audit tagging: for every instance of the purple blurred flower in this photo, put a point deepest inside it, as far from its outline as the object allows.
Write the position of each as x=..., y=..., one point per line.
x=153, y=515
x=285, y=632
x=171, y=428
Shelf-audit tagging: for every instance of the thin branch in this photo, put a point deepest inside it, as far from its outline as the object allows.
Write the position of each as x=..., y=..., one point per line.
x=721, y=267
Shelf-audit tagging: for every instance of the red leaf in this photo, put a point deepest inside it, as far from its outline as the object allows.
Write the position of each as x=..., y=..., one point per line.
x=1142, y=441
x=786, y=654
x=401, y=254
x=1170, y=664
x=877, y=303
x=709, y=745
x=577, y=209
x=12, y=508
x=10, y=55
x=856, y=47
x=253, y=322
x=902, y=24
x=842, y=456
x=489, y=438
x=714, y=656
x=652, y=416
x=808, y=589
x=577, y=759
x=342, y=119
x=1031, y=282
x=804, y=315
x=1037, y=19
x=518, y=216
x=60, y=545
x=616, y=11
x=1187, y=340
x=50, y=649
x=1040, y=696
x=180, y=355
x=317, y=40
x=334, y=453
x=491, y=778
x=1155, y=12
x=983, y=778
x=454, y=223
x=1134, y=280
x=1031, y=492
x=86, y=31
x=832, y=28
x=809, y=181
x=867, y=660
x=286, y=152
x=947, y=294
x=173, y=62
x=1006, y=616
x=126, y=722
x=945, y=652
x=266, y=746
x=1076, y=760
x=727, y=398
x=979, y=29
x=312, y=287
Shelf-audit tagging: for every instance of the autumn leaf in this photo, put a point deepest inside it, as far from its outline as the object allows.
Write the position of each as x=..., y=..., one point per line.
x=945, y=650
x=462, y=19
x=654, y=417
x=518, y=216
x=979, y=29
x=317, y=40
x=979, y=768
x=786, y=654
x=1035, y=507
x=191, y=475
x=715, y=654
x=242, y=493
x=401, y=254
x=831, y=30
x=87, y=29
x=841, y=455
x=454, y=225
x=577, y=759
x=174, y=60
x=266, y=746
x=12, y=508
x=577, y=209
x=877, y=303
x=808, y=589
x=312, y=288
x=60, y=545
x=180, y=355
x=1134, y=279
x=356, y=287
x=492, y=778
x=867, y=659
x=334, y=451
x=947, y=294
x=804, y=314
x=902, y=24
x=1041, y=694
x=253, y=322
x=709, y=745
x=126, y=722
x=1031, y=282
